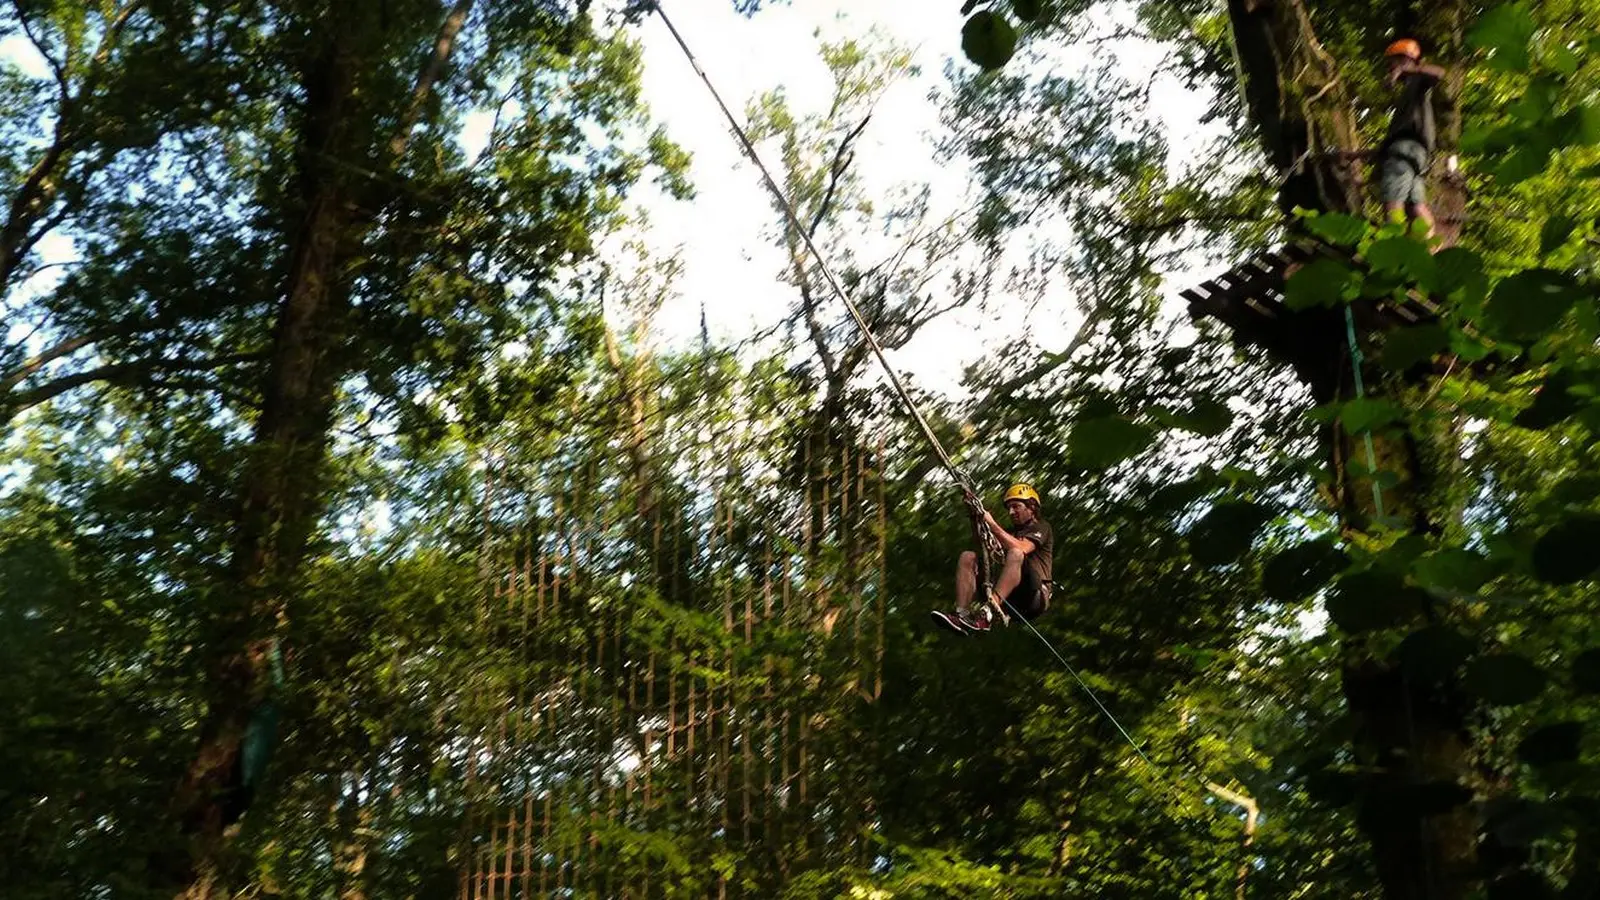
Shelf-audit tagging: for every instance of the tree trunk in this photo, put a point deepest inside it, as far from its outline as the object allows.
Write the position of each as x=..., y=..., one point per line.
x=280, y=495
x=1413, y=739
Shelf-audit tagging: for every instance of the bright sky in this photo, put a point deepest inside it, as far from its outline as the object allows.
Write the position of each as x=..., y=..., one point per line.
x=725, y=234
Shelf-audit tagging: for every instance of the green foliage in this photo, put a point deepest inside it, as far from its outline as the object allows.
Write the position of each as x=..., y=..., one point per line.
x=1565, y=554
x=1504, y=679
x=1226, y=531
x=1101, y=442
x=1432, y=655
x=988, y=39
x=1551, y=744
x=1406, y=348
x=1370, y=600
x=1303, y=569
x=1529, y=304
x=1321, y=282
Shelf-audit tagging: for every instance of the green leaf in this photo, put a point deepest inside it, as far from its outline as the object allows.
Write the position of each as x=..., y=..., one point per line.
x=1576, y=490
x=1504, y=679
x=1369, y=600
x=1556, y=232
x=1174, y=357
x=1469, y=348
x=1301, y=570
x=1454, y=569
x=1461, y=277
x=1527, y=160
x=1586, y=673
x=1552, y=744
x=1370, y=414
x=1566, y=554
x=1578, y=127
x=1322, y=282
x=1337, y=228
x=1433, y=654
x=1529, y=304
x=1404, y=348
x=1537, y=101
x=1505, y=32
x=1488, y=138
x=1101, y=443
x=1553, y=403
x=1520, y=823
x=1226, y=532
x=1559, y=58
x=1402, y=256
x=1028, y=10
x=1208, y=417
x=1174, y=497
x=988, y=39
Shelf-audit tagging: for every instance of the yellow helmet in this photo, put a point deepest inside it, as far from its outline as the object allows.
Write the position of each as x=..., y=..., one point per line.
x=1024, y=492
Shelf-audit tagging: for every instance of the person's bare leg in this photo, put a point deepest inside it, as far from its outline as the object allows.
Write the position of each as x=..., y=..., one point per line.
x=966, y=580
x=1010, y=574
x=1425, y=215
x=1393, y=211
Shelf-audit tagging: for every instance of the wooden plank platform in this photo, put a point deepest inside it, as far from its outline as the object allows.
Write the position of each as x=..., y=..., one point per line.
x=1249, y=300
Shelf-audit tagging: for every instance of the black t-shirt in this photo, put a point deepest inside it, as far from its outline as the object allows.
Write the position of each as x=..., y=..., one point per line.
x=1413, y=112
x=1043, y=556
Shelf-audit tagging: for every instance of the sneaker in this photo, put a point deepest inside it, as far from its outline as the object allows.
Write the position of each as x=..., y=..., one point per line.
x=979, y=621
x=950, y=620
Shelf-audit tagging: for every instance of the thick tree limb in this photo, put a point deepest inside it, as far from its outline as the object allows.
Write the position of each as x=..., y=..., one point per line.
x=443, y=48
x=118, y=373
x=45, y=357
x=1252, y=812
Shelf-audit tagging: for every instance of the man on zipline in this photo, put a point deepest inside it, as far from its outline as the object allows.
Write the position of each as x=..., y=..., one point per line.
x=1025, y=578
x=1403, y=155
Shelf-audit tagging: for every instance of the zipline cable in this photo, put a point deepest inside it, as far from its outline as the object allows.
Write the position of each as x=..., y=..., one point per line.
x=872, y=341
x=805, y=236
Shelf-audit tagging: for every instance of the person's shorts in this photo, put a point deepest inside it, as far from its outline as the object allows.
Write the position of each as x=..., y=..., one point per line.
x=1031, y=597
x=1400, y=169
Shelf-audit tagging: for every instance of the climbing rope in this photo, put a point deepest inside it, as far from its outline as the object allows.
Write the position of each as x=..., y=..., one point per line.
x=987, y=539
x=1356, y=359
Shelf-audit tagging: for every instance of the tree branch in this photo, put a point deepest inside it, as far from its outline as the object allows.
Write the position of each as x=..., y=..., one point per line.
x=442, y=49
x=50, y=354
x=836, y=171
x=58, y=69
x=1251, y=812
x=116, y=373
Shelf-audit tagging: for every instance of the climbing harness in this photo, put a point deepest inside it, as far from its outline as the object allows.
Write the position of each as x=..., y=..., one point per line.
x=988, y=541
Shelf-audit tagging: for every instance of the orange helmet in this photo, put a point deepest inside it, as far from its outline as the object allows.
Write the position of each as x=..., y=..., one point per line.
x=1404, y=47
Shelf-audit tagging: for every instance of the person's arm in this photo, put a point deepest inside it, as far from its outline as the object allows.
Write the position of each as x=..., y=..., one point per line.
x=1006, y=538
x=1436, y=73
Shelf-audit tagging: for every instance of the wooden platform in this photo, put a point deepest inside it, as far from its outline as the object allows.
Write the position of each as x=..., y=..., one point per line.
x=1249, y=300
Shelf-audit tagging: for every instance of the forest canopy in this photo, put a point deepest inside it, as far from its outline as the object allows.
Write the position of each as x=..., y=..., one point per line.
x=361, y=536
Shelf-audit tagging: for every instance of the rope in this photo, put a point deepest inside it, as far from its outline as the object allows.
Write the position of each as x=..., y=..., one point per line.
x=988, y=540
x=1356, y=359
x=1081, y=683
x=647, y=6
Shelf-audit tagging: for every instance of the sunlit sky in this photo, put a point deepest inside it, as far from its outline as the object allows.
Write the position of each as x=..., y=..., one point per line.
x=725, y=234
